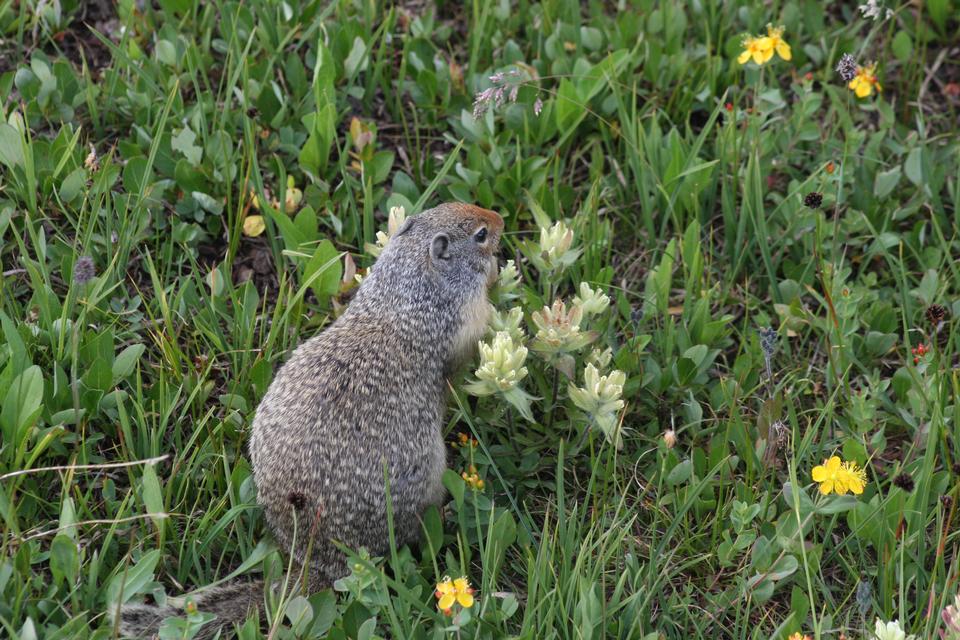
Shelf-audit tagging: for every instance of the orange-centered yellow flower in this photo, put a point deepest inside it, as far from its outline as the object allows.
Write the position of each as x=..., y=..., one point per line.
x=760, y=49
x=757, y=49
x=865, y=81
x=839, y=477
x=856, y=477
x=450, y=592
x=777, y=43
x=831, y=476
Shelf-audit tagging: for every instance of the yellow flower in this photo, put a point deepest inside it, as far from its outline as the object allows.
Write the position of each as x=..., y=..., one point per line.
x=798, y=636
x=832, y=476
x=473, y=479
x=760, y=50
x=865, y=81
x=839, y=477
x=777, y=43
x=450, y=592
x=253, y=226
x=856, y=477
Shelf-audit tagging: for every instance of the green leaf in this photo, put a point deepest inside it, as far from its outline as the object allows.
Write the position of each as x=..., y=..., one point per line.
x=64, y=559
x=913, y=166
x=184, y=143
x=73, y=184
x=680, y=473
x=902, y=46
x=126, y=361
x=208, y=203
x=323, y=272
x=166, y=53
x=357, y=58
x=130, y=581
x=11, y=150
x=324, y=605
x=885, y=181
x=569, y=106
x=455, y=485
x=152, y=495
x=300, y=614
x=697, y=353
x=836, y=504
x=21, y=407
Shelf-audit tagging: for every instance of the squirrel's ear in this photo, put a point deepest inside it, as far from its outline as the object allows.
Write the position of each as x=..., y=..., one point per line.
x=438, y=247
x=406, y=226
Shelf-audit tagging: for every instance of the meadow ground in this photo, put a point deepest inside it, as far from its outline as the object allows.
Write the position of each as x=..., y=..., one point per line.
x=743, y=422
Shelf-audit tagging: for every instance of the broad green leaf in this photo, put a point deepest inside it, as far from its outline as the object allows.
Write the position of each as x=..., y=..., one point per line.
x=11, y=151
x=21, y=406
x=126, y=361
x=885, y=181
x=913, y=166
x=902, y=46
x=680, y=473
x=569, y=106
x=183, y=142
x=64, y=559
x=152, y=494
x=323, y=272
x=129, y=581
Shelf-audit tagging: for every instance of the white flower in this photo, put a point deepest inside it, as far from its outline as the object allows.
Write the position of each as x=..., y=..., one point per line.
x=501, y=362
x=555, y=241
x=509, y=322
x=508, y=280
x=554, y=252
x=600, y=397
x=874, y=10
x=592, y=301
x=601, y=358
x=91, y=162
x=558, y=330
x=501, y=370
x=395, y=220
x=890, y=631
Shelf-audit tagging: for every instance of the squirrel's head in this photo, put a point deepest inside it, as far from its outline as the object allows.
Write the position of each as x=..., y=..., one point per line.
x=455, y=244
x=461, y=236
x=443, y=258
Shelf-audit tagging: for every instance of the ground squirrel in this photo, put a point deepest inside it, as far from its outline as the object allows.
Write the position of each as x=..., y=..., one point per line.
x=369, y=392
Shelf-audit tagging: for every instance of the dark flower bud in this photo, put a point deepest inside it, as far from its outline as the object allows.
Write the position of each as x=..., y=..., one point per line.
x=936, y=313
x=813, y=200
x=904, y=481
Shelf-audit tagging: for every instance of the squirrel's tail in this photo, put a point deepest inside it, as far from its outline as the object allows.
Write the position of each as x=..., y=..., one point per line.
x=230, y=603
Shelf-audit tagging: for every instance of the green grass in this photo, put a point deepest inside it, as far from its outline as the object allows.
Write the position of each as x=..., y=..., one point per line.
x=127, y=399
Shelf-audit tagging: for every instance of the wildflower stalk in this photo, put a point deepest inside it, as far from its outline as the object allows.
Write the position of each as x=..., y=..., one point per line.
x=795, y=500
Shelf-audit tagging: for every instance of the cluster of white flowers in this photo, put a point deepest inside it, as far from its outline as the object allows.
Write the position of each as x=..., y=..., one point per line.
x=874, y=10
x=601, y=399
x=890, y=631
x=501, y=371
x=559, y=334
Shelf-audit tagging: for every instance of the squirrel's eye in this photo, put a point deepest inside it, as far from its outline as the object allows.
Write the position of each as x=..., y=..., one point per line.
x=480, y=236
